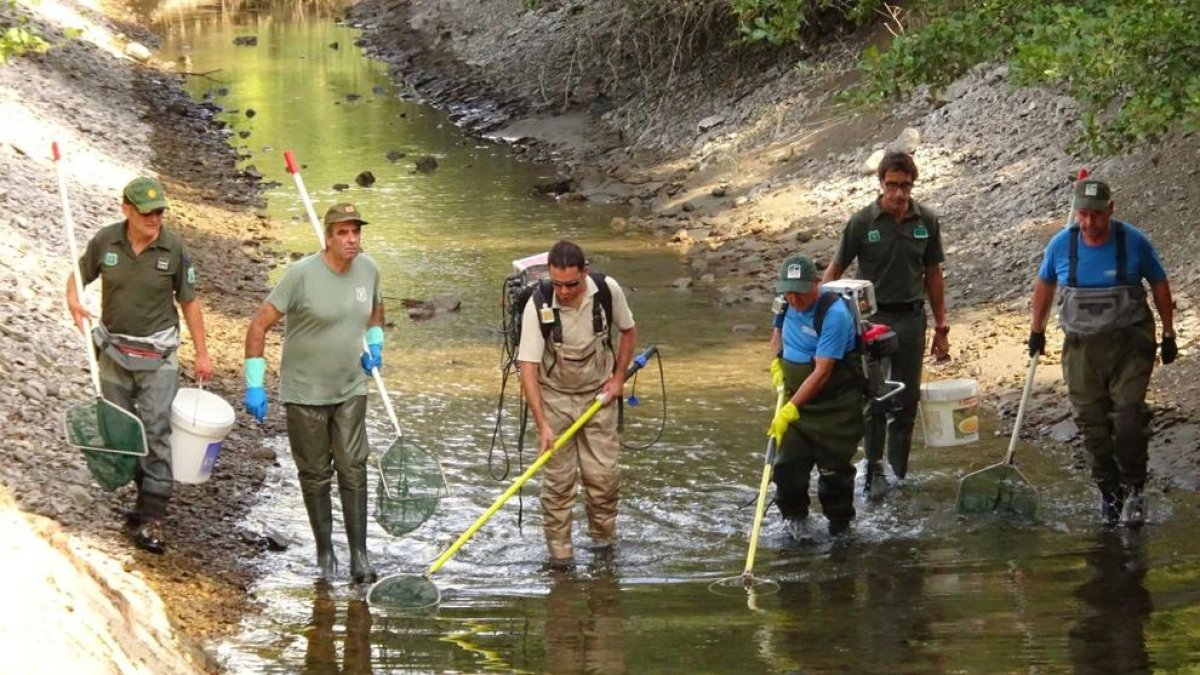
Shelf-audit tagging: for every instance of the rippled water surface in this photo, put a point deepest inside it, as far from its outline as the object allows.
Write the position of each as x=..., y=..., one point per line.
x=915, y=589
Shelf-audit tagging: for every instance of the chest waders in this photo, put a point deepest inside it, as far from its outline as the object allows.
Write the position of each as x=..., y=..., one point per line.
x=1108, y=356
x=825, y=436
x=1092, y=311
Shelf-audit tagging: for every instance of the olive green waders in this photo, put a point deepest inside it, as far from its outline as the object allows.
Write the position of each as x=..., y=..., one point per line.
x=825, y=436
x=1107, y=376
x=324, y=439
x=891, y=422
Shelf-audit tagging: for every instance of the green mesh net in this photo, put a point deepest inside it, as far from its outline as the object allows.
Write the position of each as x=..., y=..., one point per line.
x=111, y=438
x=401, y=592
x=411, y=484
x=999, y=489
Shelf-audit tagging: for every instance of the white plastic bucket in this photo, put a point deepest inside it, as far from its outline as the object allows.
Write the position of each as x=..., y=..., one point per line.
x=200, y=420
x=948, y=413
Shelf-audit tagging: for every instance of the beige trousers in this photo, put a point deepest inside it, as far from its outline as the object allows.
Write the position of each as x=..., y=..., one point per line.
x=591, y=458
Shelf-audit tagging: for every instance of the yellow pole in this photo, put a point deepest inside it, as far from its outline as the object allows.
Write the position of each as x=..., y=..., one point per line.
x=638, y=362
x=761, y=506
x=512, y=490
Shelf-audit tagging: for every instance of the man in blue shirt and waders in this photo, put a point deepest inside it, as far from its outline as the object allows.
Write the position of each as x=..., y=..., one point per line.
x=1108, y=352
x=822, y=421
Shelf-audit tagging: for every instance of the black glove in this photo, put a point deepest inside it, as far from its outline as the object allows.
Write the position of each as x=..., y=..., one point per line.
x=1037, y=343
x=1168, y=349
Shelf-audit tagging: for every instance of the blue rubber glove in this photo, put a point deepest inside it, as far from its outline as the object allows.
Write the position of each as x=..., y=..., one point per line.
x=256, y=395
x=256, y=402
x=784, y=417
x=372, y=359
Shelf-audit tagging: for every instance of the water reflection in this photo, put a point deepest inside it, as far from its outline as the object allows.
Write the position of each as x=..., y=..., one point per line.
x=1110, y=636
x=888, y=603
x=320, y=656
x=583, y=623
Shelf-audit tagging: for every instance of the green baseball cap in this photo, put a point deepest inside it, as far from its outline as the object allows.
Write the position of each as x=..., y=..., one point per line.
x=1092, y=194
x=798, y=274
x=342, y=213
x=146, y=194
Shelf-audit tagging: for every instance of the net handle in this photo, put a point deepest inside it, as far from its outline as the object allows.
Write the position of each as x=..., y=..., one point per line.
x=76, y=272
x=391, y=413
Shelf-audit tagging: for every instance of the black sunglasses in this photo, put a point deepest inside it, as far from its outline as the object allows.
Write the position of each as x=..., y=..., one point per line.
x=566, y=284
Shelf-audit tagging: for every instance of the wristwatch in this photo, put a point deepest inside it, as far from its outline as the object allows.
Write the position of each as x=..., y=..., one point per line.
x=942, y=330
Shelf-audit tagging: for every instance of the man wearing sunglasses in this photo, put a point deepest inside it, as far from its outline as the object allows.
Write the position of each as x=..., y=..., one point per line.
x=561, y=375
x=146, y=269
x=898, y=245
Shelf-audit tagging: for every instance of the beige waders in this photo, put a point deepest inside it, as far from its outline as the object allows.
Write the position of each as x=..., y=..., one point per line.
x=570, y=380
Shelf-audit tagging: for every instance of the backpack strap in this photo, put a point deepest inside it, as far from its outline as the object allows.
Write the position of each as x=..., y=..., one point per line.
x=602, y=322
x=1073, y=254
x=601, y=309
x=823, y=304
x=1119, y=233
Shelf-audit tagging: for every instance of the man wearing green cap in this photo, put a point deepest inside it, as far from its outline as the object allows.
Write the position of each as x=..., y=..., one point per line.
x=822, y=422
x=333, y=302
x=898, y=245
x=1108, y=352
x=146, y=269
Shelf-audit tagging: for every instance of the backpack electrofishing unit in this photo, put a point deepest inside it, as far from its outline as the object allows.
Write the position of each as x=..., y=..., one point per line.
x=875, y=343
x=529, y=282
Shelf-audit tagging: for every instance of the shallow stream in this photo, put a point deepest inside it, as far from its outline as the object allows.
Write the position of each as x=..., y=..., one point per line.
x=914, y=589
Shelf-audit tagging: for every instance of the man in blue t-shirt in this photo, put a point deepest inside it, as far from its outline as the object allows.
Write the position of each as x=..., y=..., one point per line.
x=1108, y=353
x=822, y=421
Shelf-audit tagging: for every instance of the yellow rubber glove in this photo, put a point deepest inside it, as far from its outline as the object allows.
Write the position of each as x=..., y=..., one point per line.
x=777, y=373
x=786, y=415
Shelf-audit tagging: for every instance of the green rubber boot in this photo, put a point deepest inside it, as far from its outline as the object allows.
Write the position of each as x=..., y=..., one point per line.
x=354, y=513
x=320, y=516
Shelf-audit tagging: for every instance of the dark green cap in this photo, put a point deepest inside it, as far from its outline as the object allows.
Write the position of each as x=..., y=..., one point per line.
x=342, y=213
x=1092, y=194
x=146, y=194
x=798, y=274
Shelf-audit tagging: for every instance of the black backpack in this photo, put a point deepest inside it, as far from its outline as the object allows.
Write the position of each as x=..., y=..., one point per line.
x=542, y=294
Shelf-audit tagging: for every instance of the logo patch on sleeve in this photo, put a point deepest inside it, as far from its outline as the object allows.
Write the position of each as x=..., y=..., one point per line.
x=110, y=259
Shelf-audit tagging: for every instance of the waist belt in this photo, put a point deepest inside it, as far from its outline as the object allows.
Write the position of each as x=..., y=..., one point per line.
x=901, y=307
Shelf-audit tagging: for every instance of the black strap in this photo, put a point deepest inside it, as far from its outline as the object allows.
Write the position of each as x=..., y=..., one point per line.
x=823, y=304
x=601, y=309
x=1073, y=254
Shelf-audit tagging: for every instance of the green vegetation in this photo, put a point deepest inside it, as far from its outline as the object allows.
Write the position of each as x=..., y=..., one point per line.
x=1132, y=63
x=783, y=22
x=18, y=40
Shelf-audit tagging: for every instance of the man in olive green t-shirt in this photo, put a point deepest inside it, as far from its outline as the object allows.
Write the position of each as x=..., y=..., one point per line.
x=145, y=269
x=898, y=245
x=333, y=302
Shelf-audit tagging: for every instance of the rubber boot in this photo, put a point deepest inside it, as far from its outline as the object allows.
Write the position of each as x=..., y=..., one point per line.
x=320, y=516
x=1112, y=503
x=354, y=513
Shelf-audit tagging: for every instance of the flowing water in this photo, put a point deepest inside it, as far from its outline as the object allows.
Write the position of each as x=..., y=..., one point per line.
x=915, y=589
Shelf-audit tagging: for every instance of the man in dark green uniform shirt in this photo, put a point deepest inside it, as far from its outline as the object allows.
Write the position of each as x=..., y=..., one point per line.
x=146, y=270
x=898, y=245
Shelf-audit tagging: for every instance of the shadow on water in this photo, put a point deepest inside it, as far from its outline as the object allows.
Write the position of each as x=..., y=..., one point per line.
x=915, y=588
